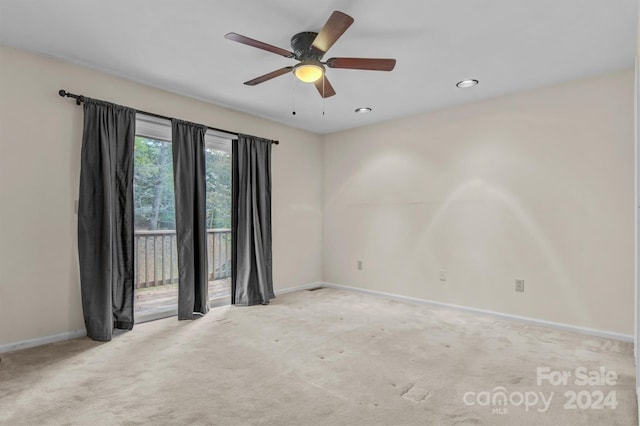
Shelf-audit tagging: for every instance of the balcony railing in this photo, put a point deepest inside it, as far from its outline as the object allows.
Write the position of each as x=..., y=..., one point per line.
x=157, y=260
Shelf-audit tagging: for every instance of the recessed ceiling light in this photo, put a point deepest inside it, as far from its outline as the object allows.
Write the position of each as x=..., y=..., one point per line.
x=363, y=110
x=466, y=83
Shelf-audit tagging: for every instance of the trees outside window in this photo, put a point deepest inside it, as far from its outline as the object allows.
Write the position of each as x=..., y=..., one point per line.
x=153, y=186
x=218, y=180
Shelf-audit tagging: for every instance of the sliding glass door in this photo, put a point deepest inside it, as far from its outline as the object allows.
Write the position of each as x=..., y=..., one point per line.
x=156, y=284
x=156, y=263
x=218, y=181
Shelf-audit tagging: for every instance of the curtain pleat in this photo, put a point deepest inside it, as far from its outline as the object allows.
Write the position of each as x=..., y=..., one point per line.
x=105, y=219
x=191, y=230
x=252, y=281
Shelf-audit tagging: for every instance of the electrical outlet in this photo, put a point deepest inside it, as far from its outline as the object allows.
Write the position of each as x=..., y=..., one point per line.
x=520, y=286
x=359, y=265
x=443, y=275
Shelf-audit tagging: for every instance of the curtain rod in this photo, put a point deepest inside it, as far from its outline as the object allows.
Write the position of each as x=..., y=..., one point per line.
x=80, y=98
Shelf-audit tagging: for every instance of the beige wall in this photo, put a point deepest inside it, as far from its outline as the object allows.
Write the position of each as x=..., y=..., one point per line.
x=537, y=186
x=636, y=94
x=40, y=136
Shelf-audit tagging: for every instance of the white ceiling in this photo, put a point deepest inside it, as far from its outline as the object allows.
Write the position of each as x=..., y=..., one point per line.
x=179, y=46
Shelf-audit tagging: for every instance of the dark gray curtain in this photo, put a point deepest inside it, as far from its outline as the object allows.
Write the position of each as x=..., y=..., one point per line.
x=105, y=218
x=191, y=229
x=251, y=277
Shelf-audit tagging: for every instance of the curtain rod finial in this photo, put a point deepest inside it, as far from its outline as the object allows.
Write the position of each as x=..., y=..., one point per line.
x=62, y=92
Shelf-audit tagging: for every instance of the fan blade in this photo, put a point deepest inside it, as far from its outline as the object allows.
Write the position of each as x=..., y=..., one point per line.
x=334, y=27
x=259, y=44
x=269, y=76
x=362, y=64
x=324, y=87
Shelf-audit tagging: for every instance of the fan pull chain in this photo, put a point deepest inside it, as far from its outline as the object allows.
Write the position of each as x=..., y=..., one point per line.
x=293, y=96
x=323, y=80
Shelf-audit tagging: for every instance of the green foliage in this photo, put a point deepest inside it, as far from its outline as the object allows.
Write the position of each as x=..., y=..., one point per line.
x=218, y=181
x=153, y=186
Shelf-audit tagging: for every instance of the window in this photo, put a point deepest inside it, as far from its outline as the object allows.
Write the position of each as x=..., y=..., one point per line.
x=218, y=188
x=156, y=263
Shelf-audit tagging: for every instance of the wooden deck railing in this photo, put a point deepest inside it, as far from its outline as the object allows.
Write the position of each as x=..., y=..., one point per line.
x=157, y=260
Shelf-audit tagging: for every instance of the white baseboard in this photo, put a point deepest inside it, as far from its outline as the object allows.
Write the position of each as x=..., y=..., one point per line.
x=557, y=325
x=299, y=288
x=10, y=347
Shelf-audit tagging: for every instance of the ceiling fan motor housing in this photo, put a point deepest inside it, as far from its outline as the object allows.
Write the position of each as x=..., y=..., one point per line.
x=301, y=45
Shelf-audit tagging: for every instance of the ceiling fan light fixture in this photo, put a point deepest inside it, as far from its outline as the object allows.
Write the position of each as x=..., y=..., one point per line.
x=308, y=72
x=464, y=84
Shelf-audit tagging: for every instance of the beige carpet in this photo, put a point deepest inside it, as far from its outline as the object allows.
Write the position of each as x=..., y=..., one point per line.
x=324, y=357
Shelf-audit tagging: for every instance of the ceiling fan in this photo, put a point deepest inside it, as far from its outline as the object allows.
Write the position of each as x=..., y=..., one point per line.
x=309, y=48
